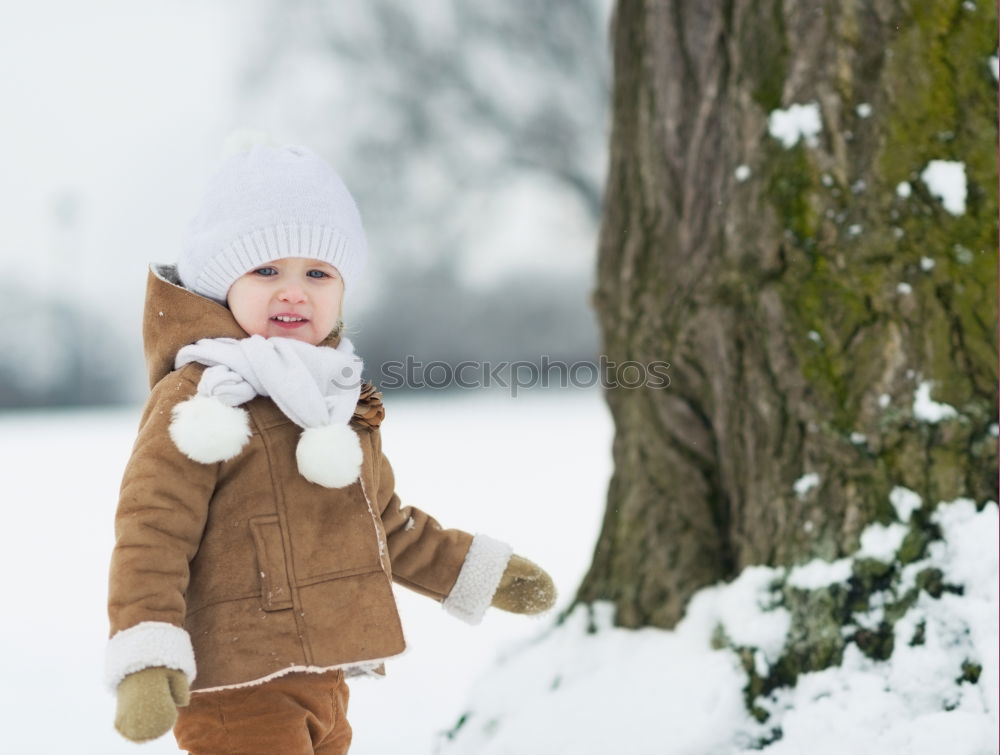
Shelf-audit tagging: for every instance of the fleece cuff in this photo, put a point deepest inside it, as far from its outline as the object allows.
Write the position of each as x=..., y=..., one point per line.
x=478, y=580
x=150, y=643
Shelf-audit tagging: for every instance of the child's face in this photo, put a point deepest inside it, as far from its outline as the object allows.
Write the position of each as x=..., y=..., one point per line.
x=308, y=292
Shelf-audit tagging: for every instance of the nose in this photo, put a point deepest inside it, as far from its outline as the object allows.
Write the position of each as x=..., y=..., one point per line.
x=292, y=293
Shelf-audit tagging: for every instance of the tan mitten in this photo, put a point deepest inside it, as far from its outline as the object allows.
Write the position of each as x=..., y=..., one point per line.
x=524, y=588
x=148, y=700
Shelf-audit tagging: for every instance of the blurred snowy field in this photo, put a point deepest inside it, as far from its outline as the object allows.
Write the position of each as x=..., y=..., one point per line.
x=531, y=470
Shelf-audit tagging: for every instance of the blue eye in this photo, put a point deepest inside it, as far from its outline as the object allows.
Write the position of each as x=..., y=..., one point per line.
x=266, y=272
x=319, y=274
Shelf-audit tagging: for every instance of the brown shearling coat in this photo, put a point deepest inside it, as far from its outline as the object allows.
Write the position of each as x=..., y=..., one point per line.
x=265, y=571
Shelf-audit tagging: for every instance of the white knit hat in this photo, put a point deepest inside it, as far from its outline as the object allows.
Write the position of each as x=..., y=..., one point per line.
x=267, y=202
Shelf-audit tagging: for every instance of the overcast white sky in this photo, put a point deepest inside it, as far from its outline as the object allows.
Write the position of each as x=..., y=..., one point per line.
x=110, y=110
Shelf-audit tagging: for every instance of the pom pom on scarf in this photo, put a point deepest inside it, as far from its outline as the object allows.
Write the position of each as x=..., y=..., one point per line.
x=329, y=455
x=207, y=430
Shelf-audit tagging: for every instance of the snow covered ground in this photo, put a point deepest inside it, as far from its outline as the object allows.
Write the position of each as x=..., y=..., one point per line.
x=533, y=472
x=652, y=692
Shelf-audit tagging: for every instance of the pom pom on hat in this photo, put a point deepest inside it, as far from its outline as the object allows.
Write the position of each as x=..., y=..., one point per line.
x=207, y=430
x=329, y=455
x=241, y=140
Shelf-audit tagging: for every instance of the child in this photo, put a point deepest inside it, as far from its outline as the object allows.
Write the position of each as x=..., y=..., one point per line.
x=258, y=528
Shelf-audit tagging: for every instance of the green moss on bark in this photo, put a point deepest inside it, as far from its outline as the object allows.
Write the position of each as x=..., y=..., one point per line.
x=766, y=54
x=943, y=107
x=862, y=262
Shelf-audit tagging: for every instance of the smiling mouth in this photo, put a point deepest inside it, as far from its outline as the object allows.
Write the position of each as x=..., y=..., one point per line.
x=289, y=322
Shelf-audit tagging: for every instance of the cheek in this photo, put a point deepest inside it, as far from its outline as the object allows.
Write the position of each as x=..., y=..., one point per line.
x=249, y=307
x=332, y=306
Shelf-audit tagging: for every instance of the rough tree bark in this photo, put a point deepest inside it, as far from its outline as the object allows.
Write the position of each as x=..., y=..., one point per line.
x=800, y=305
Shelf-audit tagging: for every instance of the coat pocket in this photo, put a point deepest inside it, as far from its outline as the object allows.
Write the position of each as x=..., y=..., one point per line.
x=275, y=589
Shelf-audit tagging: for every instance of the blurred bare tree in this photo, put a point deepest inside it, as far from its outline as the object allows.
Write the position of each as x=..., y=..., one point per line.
x=56, y=350
x=60, y=354
x=488, y=90
x=431, y=110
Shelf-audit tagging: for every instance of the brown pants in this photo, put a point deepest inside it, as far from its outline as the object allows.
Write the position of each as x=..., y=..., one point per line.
x=296, y=714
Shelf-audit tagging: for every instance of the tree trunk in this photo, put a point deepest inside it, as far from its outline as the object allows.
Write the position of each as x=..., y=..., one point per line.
x=805, y=301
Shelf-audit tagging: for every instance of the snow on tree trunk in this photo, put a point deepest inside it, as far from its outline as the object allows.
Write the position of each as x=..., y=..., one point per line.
x=801, y=218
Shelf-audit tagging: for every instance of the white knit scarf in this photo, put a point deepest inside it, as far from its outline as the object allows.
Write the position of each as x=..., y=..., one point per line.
x=312, y=385
x=316, y=387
